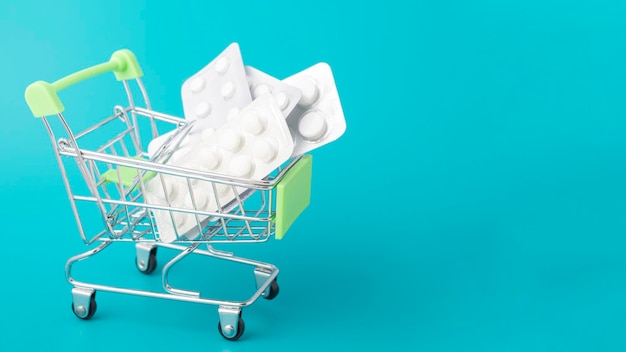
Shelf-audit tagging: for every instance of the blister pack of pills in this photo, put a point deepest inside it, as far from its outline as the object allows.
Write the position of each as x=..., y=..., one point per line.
x=251, y=144
x=318, y=118
x=244, y=124
x=218, y=89
x=259, y=83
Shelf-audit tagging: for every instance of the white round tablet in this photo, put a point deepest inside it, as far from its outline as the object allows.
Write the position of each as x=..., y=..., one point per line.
x=228, y=90
x=154, y=187
x=222, y=189
x=192, y=165
x=179, y=154
x=197, y=85
x=172, y=187
x=230, y=140
x=254, y=122
x=265, y=150
x=309, y=89
x=241, y=166
x=179, y=220
x=221, y=65
x=209, y=158
x=261, y=89
x=203, y=110
x=201, y=198
x=282, y=100
x=312, y=126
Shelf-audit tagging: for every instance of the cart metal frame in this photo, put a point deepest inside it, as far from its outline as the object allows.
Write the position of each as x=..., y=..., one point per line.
x=116, y=173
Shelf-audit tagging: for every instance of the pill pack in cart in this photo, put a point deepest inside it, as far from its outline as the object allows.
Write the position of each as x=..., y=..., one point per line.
x=235, y=168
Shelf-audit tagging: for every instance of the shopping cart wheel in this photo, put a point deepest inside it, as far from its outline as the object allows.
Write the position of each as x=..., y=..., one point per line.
x=80, y=309
x=261, y=275
x=272, y=291
x=229, y=318
x=241, y=326
x=146, y=259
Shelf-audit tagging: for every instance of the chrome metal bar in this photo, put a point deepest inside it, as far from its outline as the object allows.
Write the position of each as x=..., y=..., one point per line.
x=124, y=148
x=170, y=296
x=160, y=116
x=169, y=207
x=181, y=210
x=217, y=254
x=80, y=161
x=82, y=256
x=142, y=187
x=66, y=181
x=243, y=212
x=144, y=93
x=98, y=125
x=172, y=170
x=135, y=136
x=117, y=138
x=166, y=269
x=146, y=100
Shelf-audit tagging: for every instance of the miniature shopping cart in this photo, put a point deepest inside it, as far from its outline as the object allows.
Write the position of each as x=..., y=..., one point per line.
x=113, y=176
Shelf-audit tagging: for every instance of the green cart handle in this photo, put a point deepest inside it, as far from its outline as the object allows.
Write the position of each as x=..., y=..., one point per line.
x=42, y=98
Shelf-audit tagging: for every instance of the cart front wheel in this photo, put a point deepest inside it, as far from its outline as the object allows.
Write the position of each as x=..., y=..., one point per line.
x=147, y=266
x=86, y=313
x=272, y=292
x=240, y=328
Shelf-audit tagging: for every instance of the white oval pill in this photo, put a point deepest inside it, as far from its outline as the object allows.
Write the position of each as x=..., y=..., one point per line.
x=228, y=90
x=312, y=125
x=265, y=150
x=197, y=85
x=309, y=89
x=261, y=89
x=203, y=110
x=254, y=122
x=230, y=140
x=241, y=166
x=221, y=65
x=282, y=100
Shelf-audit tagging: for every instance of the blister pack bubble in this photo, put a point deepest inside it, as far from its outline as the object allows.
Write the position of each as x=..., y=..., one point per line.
x=250, y=145
x=261, y=83
x=318, y=118
x=217, y=90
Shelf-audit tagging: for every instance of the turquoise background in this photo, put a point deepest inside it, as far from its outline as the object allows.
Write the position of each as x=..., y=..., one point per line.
x=475, y=203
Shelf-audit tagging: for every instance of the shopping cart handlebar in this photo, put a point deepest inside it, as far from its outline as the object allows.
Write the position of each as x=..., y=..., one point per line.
x=42, y=97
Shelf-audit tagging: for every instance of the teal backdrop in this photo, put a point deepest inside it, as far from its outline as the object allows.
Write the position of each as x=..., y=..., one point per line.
x=476, y=202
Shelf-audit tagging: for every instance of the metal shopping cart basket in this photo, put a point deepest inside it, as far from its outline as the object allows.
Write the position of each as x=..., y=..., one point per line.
x=113, y=180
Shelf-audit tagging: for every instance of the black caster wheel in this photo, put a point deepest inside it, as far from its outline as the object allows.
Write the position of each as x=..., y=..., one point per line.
x=147, y=268
x=241, y=326
x=80, y=311
x=273, y=291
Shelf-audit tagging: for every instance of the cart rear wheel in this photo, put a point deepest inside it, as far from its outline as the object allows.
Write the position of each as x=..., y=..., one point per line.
x=241, y=326
x=149, y=266
x=273, y=291
x=80, y=310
